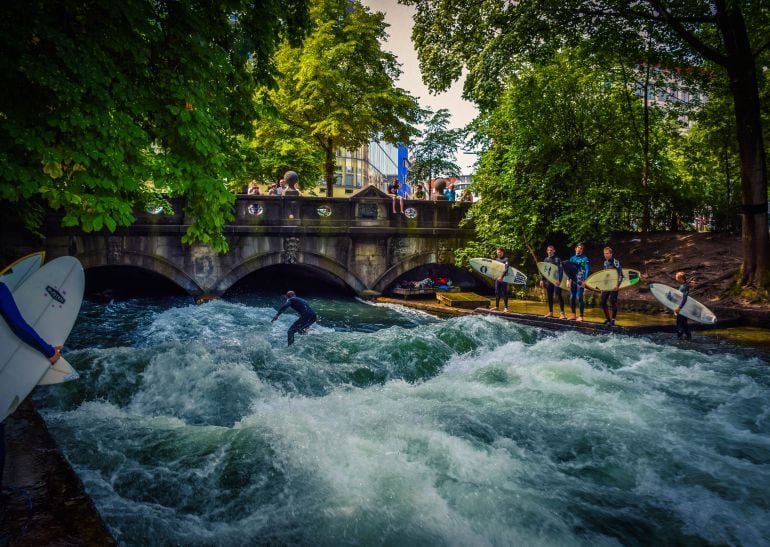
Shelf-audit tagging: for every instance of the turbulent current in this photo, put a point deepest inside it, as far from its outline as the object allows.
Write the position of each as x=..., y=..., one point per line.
x=197, y=425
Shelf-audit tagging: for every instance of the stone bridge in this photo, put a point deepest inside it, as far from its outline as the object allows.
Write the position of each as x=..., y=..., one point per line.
x=356, y=242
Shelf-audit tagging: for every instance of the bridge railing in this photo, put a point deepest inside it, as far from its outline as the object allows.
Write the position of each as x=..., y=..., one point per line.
x=366, y=211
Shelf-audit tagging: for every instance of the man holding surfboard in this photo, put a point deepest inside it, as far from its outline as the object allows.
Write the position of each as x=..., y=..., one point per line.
x=611, y=296
x=306, y=315
x=682, y=327
x=554, y=288
x=27, y=334
x=577, y=285
x=501, y=287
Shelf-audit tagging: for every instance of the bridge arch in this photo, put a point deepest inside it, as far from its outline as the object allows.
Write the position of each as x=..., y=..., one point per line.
x=304, y=260
x=409, y=263
x=152, y=263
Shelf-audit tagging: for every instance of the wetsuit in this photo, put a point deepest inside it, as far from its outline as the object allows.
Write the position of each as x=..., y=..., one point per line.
x=611, y=296
x=552, y=289
x=576, y=287
x=682, y=328
x=306, y=316
x=501, y=287
x=26, y=334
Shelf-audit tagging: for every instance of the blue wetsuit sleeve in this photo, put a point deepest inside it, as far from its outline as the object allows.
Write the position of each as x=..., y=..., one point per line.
x=19, y=326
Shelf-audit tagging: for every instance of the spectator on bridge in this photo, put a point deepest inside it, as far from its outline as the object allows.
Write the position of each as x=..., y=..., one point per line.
x=419, y=191
x=279, y=187
x=450, y=192
x=253, y=188
x=392, y=190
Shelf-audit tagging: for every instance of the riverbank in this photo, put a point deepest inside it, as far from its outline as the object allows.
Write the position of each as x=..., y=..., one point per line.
x=43, y=501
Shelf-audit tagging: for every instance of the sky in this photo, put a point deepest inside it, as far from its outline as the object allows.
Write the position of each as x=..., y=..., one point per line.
x=400, y=43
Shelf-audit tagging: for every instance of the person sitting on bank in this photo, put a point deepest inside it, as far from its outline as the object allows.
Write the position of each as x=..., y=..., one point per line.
x=306, y=315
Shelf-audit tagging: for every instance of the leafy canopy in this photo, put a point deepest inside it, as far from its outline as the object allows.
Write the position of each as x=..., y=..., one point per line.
x=337, y=87
x=107, y=106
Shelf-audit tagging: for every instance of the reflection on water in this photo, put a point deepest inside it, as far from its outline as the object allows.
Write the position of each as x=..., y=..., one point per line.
x=196, y=425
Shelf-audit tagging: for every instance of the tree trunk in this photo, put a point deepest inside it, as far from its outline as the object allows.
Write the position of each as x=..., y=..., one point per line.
x=646, y=214
x=743, y=86
x=329, y=167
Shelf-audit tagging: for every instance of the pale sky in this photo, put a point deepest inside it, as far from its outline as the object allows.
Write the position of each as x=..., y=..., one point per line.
x=400, y=43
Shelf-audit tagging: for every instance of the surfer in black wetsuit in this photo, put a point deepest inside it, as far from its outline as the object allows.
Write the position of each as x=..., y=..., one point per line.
x=501, y=287
x=611, y=296
x=306, y=315
x=26, y=334
x=682, y=328
x=554, y=289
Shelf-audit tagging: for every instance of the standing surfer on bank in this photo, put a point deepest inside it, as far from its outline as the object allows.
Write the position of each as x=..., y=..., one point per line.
x=611, y=297
x=577, y=286
x=306, y=315
x=501, y=287
x=682, y=328
x=554, y=289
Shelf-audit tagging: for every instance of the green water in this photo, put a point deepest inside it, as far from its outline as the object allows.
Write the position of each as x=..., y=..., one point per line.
x=196, y=425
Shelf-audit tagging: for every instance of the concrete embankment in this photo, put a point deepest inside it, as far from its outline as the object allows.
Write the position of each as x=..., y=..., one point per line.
x=43, y=501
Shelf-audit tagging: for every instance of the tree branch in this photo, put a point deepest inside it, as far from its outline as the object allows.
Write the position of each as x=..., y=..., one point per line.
x=677, y=26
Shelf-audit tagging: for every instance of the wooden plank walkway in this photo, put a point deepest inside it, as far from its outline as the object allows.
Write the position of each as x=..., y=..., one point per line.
x=465, y=300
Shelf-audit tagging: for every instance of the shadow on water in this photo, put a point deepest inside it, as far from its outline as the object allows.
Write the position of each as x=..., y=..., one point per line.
x=305, y=281
x=109, y=283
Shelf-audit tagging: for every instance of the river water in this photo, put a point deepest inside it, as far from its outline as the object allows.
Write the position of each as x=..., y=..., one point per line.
x=196, y=425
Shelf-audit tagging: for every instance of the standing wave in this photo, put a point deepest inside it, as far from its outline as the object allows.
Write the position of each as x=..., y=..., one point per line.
x=469, y=431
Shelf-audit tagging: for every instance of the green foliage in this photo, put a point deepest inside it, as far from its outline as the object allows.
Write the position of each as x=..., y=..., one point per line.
x=435, y=152
x=695, y=41
x=336, y=88
x=107, y=105
x=563, y=158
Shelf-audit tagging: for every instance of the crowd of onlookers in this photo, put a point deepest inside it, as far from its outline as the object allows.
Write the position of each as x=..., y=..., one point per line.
x=399, y=191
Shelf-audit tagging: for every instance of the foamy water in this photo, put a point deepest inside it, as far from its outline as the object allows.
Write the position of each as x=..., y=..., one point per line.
x=196, y=425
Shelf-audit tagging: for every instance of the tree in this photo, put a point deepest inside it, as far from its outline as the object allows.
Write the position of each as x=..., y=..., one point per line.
x=562, y=157
x=435, y=152
x=337, y=86
x=106, y=105
x=732, y=35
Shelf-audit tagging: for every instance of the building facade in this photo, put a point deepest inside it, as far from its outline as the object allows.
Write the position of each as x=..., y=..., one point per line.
x=374, y=163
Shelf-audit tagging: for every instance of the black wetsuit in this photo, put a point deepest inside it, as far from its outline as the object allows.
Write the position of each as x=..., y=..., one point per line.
x=501, y=287
x=682, y=327
x=551, y=289
x=612, y=296
x=306, y=316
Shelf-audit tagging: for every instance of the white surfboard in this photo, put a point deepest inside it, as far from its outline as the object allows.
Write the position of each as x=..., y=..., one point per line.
x=494, y=269
x=49, y=300
x=550, y=273
x=607, y=279
x=671, y=298
x=17, y=273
